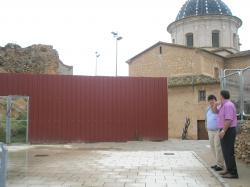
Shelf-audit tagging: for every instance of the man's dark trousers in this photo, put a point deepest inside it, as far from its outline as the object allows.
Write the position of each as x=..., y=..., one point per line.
x=227, y=146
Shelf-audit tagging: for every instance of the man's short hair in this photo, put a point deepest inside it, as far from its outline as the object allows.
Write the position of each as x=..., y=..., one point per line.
x=225, y=94
x=211, y=97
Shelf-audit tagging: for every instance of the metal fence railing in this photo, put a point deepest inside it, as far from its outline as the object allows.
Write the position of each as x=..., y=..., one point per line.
x=3, y=164
x=14, y=119
x=246, y=92
x=237, y=82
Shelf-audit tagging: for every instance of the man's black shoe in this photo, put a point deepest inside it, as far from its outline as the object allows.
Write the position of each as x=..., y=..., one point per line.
x=214, y=166
x=224, y=172
x=218, y=168
x=230, y=176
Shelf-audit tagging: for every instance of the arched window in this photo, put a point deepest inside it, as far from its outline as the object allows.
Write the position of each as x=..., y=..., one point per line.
x=190, y=39
x=215, y=38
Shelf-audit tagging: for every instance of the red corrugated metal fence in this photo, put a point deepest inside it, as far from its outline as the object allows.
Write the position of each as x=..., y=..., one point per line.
x=80, y=108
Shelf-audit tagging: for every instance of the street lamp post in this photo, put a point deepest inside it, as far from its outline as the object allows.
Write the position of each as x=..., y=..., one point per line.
x=117, y=38
x=96, y=57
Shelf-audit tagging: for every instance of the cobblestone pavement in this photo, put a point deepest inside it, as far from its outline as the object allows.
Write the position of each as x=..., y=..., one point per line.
x=131, y=164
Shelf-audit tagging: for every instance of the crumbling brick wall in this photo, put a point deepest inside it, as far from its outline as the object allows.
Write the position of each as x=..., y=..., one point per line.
x=42, y=59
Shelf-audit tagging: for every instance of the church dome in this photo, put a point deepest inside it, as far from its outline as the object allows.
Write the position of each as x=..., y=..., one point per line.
x=202, y=8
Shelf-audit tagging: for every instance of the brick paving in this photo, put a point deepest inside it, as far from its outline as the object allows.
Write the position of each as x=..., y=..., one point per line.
x=130, y=164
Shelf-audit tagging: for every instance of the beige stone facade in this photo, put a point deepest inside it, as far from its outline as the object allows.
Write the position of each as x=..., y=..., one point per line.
x=237, y=61
x=184, y=102
x=169, y=60
x=189, y=71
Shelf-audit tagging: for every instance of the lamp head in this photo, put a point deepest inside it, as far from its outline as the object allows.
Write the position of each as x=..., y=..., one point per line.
x=114, y=34
x=119, y=38
x=97, y=54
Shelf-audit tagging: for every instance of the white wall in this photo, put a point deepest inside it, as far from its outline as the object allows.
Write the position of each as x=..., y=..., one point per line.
x=202, y=27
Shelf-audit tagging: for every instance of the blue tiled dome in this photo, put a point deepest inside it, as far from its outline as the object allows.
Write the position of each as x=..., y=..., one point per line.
x=203, y=7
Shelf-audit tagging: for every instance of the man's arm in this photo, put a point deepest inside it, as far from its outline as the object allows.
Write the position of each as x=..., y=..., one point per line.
x=227, y=124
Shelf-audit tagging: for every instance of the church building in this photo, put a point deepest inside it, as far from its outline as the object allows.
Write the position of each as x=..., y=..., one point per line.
x=205, y=42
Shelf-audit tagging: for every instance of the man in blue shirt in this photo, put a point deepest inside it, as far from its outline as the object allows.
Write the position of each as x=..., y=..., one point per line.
x=213, y=134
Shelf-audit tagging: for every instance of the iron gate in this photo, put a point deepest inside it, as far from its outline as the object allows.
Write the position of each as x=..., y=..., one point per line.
x=237, y=81
x=14, y=119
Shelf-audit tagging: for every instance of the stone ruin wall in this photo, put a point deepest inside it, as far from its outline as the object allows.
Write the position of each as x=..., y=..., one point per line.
x=242, y=143
x=40, y=59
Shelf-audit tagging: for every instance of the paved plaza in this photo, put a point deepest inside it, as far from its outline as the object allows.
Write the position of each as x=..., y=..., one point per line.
x=129, y=164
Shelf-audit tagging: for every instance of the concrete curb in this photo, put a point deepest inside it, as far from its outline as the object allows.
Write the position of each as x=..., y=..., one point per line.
x=216, y=175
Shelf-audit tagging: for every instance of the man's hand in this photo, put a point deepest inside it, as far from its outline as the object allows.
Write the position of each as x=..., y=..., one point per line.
x=217, y=103
x=227, y=124
x=215, y=107
x=221, y=134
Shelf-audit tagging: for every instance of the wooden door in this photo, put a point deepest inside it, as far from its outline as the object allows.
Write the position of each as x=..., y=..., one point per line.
x=202, y=131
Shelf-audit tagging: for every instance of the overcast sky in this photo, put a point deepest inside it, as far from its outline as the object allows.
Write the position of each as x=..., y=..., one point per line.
x=78, y=28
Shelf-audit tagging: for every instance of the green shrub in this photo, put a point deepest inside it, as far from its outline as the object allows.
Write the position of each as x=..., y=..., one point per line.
x=2, y=132
x=18, y=131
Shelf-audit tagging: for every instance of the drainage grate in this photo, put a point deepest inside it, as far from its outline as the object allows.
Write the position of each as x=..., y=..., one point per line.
x=41, y=155
x=168, y=153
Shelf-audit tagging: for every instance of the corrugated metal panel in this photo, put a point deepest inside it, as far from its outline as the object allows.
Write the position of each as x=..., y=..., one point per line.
x=80, y=108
